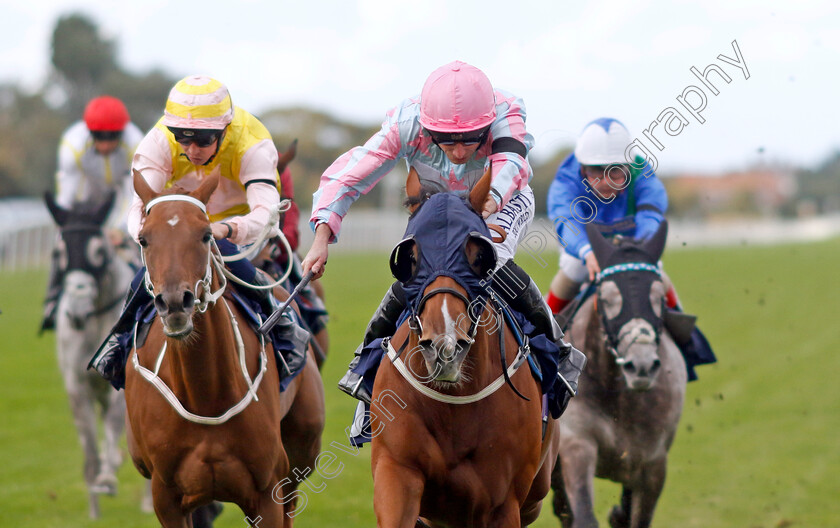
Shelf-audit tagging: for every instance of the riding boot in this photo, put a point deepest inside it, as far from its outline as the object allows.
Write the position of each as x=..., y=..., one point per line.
x=517, y=289
x=51, y=300
x=382, y=324
x=110, y=359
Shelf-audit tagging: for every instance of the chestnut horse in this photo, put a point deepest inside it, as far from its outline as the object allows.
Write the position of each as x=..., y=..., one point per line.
x=205, y=414
x=623, y=421
x=464, y=449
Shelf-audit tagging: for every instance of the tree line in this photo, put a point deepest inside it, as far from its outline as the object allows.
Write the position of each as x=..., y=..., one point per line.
x=84, y=65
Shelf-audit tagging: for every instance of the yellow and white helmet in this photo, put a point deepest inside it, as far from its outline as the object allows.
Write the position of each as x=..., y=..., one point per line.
x=198, y=102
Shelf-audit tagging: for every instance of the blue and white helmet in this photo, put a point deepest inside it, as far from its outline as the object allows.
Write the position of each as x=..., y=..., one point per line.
x=603, y=142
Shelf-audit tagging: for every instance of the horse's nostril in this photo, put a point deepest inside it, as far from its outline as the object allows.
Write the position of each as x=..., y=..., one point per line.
x=426, y=343
x=189, y=299
x=160, y=304
x=630, y=367
x=655, y=366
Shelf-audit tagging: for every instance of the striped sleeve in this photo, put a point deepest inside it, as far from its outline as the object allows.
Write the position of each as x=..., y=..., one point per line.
x=355, y=173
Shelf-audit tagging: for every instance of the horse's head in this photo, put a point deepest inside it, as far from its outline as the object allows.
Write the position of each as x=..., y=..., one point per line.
x=442, y=263
x=630, y=302
x=82, y=253
x=176, y=246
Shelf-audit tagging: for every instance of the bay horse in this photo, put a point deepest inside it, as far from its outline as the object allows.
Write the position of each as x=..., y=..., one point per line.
x=93, y=286
x=206, y=419
x=623, y=421
x=455, y=446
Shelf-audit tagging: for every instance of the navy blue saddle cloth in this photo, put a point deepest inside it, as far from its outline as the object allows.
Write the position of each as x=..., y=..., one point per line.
x=544, y=358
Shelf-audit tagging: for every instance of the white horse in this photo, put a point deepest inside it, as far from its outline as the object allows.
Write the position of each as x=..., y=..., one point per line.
x=93, y=289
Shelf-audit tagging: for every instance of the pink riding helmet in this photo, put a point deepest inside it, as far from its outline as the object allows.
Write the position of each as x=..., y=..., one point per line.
x=456, y=98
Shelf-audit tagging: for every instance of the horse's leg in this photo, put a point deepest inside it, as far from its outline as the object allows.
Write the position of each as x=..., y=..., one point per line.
x=577, y=462
x=542, y=481
x=620, y=514
x=644, y=497
x=507, y=515
x=113, y=418
x=303, y=424
x=396, y=494
x=167, y=503
x=266, y=512
x=84, y=416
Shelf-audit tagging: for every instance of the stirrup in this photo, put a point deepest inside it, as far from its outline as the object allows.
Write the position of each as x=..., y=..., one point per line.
x=352, y=383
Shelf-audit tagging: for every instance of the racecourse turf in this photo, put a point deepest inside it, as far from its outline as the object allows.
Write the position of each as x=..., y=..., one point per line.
x=758, y=445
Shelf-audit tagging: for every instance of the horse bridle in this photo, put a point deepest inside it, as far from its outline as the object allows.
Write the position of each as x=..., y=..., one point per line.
x=612, y=341
x=416, y=326
x=208, y=297
x=94, y=272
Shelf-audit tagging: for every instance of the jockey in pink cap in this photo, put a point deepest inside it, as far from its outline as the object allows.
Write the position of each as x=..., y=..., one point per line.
x=458, y=127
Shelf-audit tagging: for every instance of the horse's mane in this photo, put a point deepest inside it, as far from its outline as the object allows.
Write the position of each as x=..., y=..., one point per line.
x=420, y=198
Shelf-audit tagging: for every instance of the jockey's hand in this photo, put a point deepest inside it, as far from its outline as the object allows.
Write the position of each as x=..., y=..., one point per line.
x=316, y=258
x=592, y=265
x=490, y=207
x=220, y=230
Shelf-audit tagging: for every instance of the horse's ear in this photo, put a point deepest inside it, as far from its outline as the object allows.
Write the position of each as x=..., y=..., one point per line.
x=287, y=157
x=481, y=255
x=656, y=244
x=403, y=260
x=602, y=248
x=479, y=193
x=413, y=189
x=141, y=187
x=208, y=185
x=104, y=208
x=58, y=213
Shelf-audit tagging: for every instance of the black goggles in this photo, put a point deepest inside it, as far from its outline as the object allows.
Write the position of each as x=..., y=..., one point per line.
x=468, y=139
x=201, y=138
x=106, y=135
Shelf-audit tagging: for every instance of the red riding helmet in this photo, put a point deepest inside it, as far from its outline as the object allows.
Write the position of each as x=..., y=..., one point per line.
x=106, y=114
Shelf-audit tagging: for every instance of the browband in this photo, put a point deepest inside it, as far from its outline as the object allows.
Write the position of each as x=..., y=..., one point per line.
x=177, y=198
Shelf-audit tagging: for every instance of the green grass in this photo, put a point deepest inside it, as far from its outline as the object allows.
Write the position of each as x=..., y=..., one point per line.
x=757, y=445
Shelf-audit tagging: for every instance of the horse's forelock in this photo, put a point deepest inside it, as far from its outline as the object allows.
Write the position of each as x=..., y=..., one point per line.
x=419, y=199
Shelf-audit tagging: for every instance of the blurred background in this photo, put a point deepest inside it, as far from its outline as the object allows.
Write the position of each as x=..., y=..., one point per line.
x=764, y=162
x=754, y=211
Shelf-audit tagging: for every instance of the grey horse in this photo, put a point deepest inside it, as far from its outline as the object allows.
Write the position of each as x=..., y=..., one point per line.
x=94, y=283
x=624, y=419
